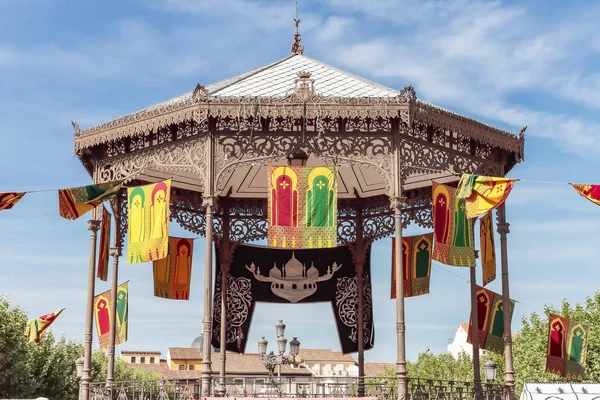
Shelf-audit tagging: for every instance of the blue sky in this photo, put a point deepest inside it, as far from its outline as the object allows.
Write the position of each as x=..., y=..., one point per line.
x=506, y=63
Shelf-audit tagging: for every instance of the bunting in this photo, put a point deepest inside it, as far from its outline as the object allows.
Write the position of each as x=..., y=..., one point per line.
x=74, y=202
x=9, y=199
x=148, y=218
x=488, y=250
x=302, y=207
x=172, y=274
x=590, y=192
x=453, y=232
x=103, y=254
x=490, y=319
x=483, y=193
x=35, y=328
x=416, y=262
x=102, y=314
x=567, y=347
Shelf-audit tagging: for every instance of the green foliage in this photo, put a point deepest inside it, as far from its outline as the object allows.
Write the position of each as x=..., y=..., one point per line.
x=442, y=367
x=532, y=340
x=30, y=370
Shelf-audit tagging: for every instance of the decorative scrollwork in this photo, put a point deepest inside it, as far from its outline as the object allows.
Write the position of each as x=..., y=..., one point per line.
x=186, y=156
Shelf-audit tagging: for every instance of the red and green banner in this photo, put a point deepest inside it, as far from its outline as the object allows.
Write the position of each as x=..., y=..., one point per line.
x=567, y=347
x=103, y=254
x=490, y=320
x=173, y=273
x=487, y=248
x=302, y=207
x=453, y=232
x=9, y=199
x=35, y=328
x=416, y=263
x=74, y=202
x=102, y=315
x=590, y=192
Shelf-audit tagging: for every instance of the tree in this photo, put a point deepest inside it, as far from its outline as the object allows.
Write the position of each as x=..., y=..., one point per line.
x=13, y=351
x=47, y=368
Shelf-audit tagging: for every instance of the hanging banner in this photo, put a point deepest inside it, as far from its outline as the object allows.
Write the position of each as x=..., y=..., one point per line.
x=148, y=218
x=302, y=207
x=483, y=193
x=490, y=318
x=75, y=202
x=35, y=328
x=453, y=232
x=9, y=199
x=590, y=192
x=488, y=250
x=567, y=347
x=293, y=276
x=103, y=254
x=173, y=273
x=320, y=207
x=416, y=262
x=285, y=196
x=102, y=314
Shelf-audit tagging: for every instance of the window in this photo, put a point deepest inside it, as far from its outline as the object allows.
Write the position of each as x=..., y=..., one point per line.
x=191, y=367
x=181, y=367
x=143, y=360
x=133, y=360
x=151, y=360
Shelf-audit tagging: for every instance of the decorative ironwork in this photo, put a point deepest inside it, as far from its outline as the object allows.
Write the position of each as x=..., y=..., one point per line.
x=300, y=386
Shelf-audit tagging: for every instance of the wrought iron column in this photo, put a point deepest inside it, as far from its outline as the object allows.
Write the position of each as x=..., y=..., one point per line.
x=475, y=332
x=509, y=374
x=400, y=325
x=225, y=260
x=359, y=260
x=207, y=322
x=86, y=378
x=115, y=253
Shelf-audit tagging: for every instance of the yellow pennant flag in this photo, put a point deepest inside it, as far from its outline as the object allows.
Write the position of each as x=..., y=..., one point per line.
x=483, y=193
x=36, y=327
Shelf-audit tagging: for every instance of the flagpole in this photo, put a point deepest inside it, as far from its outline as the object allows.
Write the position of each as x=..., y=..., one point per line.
x=509, y=374
x=115, y=252
x=86, y=378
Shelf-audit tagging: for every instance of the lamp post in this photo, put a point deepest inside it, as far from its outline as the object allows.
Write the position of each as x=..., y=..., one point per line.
x=79, y=368
x=489, y=370
x=272, y=360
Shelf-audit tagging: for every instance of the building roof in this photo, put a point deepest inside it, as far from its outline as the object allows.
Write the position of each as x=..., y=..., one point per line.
x=161, y=368
x=373, y=369
x=277, y=79
x=324, y=355
x=251, y=364
x=185, y=353
x=464, y=326
x=139, y=352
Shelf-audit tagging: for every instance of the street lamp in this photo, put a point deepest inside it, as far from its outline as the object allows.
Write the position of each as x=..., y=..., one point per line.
x=272, y=360
x=489, y=369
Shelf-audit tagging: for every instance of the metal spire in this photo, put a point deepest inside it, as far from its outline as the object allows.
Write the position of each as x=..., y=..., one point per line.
x=297, y=47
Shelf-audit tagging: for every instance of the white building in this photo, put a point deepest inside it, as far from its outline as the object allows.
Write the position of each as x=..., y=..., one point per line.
x=328, y=363
x=459, y=343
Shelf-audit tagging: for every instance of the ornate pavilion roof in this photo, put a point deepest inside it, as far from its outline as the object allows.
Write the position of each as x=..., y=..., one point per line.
x=444, y=143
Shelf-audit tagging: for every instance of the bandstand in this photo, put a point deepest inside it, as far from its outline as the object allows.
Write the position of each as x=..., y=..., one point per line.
x=216, y=141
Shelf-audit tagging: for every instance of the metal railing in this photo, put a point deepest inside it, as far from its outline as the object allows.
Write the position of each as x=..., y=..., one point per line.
x=298, y=387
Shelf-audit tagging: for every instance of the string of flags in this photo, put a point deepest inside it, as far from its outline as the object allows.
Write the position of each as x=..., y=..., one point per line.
x=302, y=211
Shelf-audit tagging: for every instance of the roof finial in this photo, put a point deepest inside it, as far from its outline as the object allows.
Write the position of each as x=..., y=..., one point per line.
x=297, y=47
